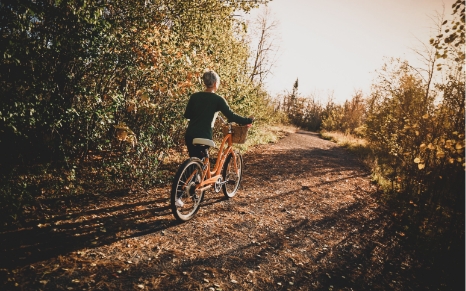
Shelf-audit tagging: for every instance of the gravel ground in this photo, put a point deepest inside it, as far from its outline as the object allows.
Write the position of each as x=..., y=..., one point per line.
x=307, y=217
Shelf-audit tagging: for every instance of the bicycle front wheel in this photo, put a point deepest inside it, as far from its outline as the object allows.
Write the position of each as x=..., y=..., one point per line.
x=184, y=200
x=232, y=173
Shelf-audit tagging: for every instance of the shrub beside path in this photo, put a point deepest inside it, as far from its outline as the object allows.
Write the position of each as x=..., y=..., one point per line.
x=306, y=218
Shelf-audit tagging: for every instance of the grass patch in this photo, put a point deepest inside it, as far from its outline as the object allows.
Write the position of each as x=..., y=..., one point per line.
x=362, y=149
x=265, y=134
x=358, y=146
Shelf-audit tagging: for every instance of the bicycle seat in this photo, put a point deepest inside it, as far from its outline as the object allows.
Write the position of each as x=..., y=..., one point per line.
x=204, y=141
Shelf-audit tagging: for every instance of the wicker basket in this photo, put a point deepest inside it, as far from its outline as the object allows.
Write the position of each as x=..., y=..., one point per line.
x=238, y=133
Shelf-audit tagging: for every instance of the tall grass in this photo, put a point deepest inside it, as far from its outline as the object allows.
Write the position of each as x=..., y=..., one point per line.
x=361, y=148
x=357, y=145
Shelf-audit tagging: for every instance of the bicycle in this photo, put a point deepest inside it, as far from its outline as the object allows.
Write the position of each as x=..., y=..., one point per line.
x=194, y=175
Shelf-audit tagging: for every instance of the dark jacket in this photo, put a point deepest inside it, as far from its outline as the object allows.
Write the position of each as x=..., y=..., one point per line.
x=201, y=110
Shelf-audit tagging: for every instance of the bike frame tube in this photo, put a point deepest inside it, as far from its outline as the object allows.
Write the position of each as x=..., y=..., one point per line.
x=222, y=154
x=210, y=177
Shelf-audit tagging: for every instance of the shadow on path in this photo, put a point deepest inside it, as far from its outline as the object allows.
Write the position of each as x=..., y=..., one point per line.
x=307, y=218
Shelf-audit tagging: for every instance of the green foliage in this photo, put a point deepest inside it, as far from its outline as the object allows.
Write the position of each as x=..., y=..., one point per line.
x=304, y=112
x=420, y=144
x=450, y=43
x=347, y=118
x=101, y=87
x=418, y=138
x=310, y=114
x=415, y=128
x=418, y=132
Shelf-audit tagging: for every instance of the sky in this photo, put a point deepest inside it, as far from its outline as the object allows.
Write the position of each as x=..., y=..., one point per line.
x=335, y=46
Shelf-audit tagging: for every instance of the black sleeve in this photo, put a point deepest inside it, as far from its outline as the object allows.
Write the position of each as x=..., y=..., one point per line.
x=232, y=117
x=188, y=110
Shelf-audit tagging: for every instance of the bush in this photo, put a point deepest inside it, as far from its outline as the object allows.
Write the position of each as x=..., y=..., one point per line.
x=100, y=87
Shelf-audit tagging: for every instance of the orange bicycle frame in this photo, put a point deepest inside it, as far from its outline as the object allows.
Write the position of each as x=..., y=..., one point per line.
x=209, y=177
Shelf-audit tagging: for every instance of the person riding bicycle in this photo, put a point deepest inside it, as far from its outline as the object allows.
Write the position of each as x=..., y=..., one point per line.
x=202, y=110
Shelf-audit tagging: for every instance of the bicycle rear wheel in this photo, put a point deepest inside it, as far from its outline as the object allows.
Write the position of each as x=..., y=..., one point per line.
x=184, y=200
x=232, y=174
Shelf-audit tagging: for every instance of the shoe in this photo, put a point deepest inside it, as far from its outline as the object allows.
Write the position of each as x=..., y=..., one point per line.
x=179, y=202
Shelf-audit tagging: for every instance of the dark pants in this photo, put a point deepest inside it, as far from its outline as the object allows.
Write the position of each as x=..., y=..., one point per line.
x=198, y=151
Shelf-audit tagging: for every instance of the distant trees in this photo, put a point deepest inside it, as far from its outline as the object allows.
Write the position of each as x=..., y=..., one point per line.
x=309, y=113
x=348, y=118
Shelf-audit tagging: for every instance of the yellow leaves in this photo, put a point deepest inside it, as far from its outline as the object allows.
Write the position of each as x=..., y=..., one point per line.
x=121, y=134
x=163, y=88
x=459, y=145
x=144, y=105
x=431, y=146
x=448, y=144
x=145, y=97
x=422, y=147
x=122, y=126
x=185, y=84
x=425, y=116
x=440, y=154
x=124, y=133
x=153, y=39
x=131, y=107
x=420, y=163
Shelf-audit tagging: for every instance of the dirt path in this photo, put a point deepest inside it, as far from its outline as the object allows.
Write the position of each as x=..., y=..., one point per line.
x=306, y=218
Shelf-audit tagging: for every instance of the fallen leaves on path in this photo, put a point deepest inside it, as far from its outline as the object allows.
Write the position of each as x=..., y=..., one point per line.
x=306, y=218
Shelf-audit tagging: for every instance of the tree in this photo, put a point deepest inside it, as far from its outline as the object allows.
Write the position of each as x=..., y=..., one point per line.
x=347, y=118
x=264, y=29
x=103, y=84
x=416, y=125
